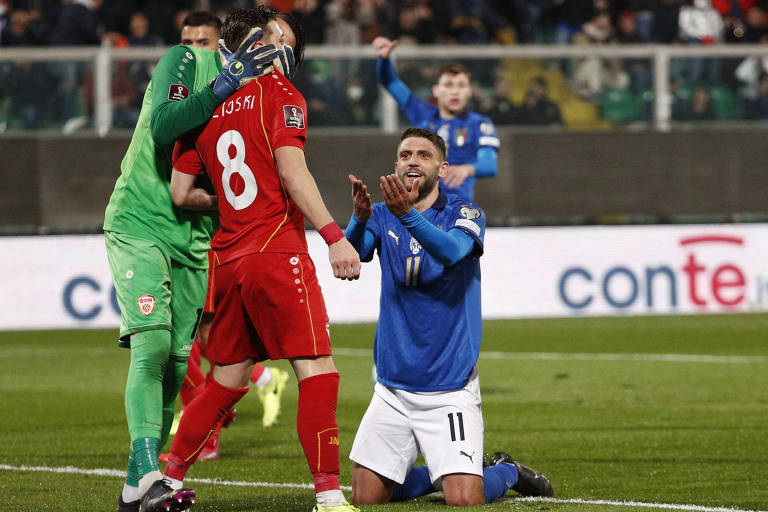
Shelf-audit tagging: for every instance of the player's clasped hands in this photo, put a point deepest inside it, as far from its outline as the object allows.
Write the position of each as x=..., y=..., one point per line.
x=344, y=259
x=399, y=201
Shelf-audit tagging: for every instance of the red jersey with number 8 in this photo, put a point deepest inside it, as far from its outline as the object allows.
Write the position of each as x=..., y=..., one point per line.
x=236, y=149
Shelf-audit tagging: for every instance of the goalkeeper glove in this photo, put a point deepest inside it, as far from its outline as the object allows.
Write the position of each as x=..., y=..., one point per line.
x=247, y=62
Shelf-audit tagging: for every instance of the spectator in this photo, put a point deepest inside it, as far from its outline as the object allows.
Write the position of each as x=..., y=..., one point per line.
x=345, y=19
x=701, y=24
x=591, y=73
x=757, y=107
x=139, y=32
x=498, y=105
x=77, y=24
x=700, y=107
x=312, y=18
x=21, y=30
x=666, y=25
x=537, y=108
x=750, y=73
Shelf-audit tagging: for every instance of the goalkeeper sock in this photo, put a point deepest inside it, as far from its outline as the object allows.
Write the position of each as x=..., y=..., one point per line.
x=144, y=386
x=317, y=428
x=194, y=381
x=175, y=371
x=416, y=483
x=198, y=424
x=498, y=480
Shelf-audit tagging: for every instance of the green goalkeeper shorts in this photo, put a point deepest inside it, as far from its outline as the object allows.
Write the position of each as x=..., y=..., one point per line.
x=154, y=291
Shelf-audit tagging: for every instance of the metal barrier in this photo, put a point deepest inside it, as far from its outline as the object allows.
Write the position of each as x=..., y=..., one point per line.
x=101, y=59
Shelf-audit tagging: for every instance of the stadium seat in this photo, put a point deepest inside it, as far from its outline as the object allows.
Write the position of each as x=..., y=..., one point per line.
x=725, y=104
x=620, y=105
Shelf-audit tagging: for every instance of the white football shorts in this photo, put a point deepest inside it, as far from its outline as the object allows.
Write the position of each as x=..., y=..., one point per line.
x=446, y=427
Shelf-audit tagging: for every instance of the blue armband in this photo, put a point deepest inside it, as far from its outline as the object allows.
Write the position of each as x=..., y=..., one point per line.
x=447, y=247
x=487, y=163
x=385, y=74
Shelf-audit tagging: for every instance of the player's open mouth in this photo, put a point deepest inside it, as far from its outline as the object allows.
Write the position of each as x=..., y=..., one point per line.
x=413, y=175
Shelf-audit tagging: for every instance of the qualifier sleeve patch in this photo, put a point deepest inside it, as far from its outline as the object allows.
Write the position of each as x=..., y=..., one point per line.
x=294, y=116
x=177, y=92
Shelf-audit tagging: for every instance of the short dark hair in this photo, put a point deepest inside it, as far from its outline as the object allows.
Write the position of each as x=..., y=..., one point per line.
x=426, y=134
x=202, y=18
x=452, y=69
x=298, y=32
x=239, y=22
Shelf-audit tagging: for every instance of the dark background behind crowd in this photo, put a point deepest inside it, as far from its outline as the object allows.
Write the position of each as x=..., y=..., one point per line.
x=557, y=92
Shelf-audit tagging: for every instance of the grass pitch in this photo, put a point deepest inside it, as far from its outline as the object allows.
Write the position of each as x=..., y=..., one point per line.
x=662, y=410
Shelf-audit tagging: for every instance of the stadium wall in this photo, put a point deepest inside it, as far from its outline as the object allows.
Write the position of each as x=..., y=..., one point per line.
x=64, y=281
x=58, y=183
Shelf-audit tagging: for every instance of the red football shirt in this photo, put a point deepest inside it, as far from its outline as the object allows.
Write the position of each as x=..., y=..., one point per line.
x=236, y=148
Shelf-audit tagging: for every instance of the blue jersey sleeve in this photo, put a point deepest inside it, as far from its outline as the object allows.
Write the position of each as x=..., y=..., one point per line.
x=362, y=239
x=385, y=74
x=487, y=163
x=447, y=247
x=470, y=219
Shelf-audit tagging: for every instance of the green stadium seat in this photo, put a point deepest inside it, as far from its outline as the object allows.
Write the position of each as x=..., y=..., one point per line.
x=725, y=103
x=620, y=105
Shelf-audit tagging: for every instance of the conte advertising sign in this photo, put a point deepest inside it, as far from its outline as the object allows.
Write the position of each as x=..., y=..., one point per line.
x=64, y=281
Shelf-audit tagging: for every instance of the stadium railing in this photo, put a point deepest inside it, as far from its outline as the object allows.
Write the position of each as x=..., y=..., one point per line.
x=82, y=86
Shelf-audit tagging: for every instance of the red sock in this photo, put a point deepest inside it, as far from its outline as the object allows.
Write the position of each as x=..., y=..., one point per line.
x=318, y=431
x=199, y=422
x=258, y=369
x=194, y=381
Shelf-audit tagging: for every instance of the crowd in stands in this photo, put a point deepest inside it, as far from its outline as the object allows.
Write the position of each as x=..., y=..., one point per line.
x=346, y=94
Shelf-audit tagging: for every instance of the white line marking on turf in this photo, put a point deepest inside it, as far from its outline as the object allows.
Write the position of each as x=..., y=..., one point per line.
x=639, y=504
x=230, y=483
x=583, y=356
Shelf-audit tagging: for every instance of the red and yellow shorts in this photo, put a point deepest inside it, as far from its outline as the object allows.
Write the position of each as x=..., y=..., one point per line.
x=268, y=306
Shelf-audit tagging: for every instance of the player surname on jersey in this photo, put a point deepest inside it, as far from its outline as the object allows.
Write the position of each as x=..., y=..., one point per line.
x=237, y=104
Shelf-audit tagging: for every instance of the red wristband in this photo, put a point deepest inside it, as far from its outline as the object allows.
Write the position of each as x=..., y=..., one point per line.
x=331, y=233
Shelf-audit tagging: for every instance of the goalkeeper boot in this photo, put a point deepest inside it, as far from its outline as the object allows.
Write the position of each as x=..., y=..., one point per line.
x=131, y=506
x=346, y=507
x=271, y=394
x=529, y=481
x=160, y=497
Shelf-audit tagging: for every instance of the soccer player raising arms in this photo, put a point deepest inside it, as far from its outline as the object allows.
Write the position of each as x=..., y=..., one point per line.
x=470, y=137
x=158, y=253
x=427, y=398
x=268, y=301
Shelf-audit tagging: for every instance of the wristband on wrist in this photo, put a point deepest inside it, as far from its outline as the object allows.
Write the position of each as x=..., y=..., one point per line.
x=331, y=233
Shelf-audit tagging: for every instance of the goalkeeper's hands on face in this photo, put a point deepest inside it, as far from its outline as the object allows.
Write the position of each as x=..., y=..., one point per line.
x=248, y=62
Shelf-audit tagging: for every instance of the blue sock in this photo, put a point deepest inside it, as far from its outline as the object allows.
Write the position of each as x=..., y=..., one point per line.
x=417, y=483
x=498, y=480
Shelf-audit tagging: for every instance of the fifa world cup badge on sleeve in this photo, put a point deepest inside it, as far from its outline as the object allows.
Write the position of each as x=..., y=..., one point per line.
x=146, y=304
x=294, y=116
x=177, y=92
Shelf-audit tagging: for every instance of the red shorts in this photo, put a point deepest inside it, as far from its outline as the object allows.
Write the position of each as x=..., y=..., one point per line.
x=209, y=304
x=268, y=306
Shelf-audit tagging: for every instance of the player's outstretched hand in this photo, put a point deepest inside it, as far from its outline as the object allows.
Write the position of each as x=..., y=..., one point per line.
x=456, y=175
x=361, y=199
x=398, y=200
x=383, y=46
x=248, y=61
x=344, y=259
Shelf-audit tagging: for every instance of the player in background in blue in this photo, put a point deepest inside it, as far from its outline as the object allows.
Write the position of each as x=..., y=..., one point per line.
x=427, y=398
x=471, y=138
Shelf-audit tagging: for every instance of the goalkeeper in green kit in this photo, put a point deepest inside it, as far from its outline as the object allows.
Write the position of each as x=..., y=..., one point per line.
x=158, y=253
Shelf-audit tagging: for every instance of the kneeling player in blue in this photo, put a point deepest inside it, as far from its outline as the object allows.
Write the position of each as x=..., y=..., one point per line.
x=427, y=398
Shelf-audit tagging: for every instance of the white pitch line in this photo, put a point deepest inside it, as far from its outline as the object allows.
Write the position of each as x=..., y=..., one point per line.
x=584, y=356
x=638, y=504
x=230, y=483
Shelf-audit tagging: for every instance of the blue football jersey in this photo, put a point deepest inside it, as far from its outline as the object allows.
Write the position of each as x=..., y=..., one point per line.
x=429, y=330
x=463, y=136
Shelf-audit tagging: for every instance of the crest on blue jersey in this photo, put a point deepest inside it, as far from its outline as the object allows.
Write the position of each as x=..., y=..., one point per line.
x=459, y=137
x=415, y=246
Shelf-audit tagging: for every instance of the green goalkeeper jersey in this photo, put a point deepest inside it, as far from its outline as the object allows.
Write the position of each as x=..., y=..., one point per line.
x=176, y=101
